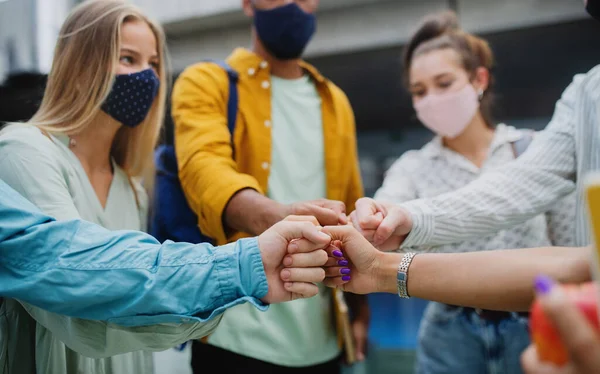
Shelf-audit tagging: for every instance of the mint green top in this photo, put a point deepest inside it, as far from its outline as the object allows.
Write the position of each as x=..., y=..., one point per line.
x=49, y=175
x=299, y=333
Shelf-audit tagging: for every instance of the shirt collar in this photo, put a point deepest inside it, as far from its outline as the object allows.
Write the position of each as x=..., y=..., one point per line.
x=244, y=60
x=503, y=134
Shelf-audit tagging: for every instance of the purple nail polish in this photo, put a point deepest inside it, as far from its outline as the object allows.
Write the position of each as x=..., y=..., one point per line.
x=337, y=253
x=346, y=278
x=345, y=271
x=342, y=262
x=543, y=284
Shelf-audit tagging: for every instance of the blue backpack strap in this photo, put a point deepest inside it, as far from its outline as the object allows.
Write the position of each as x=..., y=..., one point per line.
x=519, y=146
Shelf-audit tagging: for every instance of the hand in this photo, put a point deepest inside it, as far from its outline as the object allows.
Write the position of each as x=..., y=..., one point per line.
x=384, y=225
x=327, y=212
x=579, y=337
x=291, y=273
x=361, y=258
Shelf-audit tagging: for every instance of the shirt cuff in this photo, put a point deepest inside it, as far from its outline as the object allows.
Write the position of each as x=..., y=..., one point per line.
x=252, y=270
x=241, y=274
x=237, y=277
x=423, y=224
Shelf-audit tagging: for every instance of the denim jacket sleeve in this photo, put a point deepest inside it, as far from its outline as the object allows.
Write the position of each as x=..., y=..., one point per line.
x=126, y=280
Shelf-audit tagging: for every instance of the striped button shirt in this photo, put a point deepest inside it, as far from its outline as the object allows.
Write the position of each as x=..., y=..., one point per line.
x=552, y=167
x=436, y=169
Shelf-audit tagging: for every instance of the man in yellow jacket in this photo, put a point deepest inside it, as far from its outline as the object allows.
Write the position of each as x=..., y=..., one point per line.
x=293, y=151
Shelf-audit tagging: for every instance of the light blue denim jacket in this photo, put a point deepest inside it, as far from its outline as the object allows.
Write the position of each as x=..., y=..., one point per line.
x=127, y=278
x=68, y=268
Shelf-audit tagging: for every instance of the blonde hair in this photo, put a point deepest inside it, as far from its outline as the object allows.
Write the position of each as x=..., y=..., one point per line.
x=82, y=74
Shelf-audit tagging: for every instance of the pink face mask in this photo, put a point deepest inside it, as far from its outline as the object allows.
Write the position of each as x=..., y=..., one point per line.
x=448, y=114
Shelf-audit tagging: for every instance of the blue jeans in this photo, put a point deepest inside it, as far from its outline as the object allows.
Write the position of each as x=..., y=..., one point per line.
x=457, y=341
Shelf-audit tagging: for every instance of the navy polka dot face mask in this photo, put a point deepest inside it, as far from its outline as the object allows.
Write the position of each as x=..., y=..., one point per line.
x=131, y=97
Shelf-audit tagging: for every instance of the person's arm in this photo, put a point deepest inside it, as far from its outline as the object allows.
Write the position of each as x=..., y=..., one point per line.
x=512, y=194
x=398, y=186
x=207, y=170
x=496, y=280
x=561, y=221
x=73, y=267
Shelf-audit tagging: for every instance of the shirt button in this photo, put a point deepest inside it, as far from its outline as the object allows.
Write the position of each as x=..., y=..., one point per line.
x=267, y=123
x=265, y=165
x=264, y=64
x=265, y=84
x=251, y=71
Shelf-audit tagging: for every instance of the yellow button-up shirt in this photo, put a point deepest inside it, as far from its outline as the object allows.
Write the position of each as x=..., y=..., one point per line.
x=210, y=175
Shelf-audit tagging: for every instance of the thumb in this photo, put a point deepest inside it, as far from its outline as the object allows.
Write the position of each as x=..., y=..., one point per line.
x=577, y=334
x=342, y=233
x=353, y=243
x=291, y=230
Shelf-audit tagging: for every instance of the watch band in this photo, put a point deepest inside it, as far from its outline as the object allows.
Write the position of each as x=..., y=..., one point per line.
x=402, y=276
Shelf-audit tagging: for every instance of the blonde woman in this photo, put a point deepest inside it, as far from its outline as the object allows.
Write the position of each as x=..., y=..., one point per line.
x=81, y=156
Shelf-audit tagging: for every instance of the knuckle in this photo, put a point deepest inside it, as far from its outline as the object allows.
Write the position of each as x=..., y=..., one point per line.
x=323, y=258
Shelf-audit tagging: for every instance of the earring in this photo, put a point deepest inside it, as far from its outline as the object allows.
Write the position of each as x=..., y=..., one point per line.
x=480, y=94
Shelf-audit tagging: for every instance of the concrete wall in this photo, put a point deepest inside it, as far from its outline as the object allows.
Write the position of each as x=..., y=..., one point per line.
x=199, y=29
x=17, y=36
x=212, y=28
x=28, y=32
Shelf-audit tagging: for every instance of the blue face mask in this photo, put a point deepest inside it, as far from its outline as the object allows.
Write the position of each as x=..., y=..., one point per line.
x=131, y=97
x=285, y=31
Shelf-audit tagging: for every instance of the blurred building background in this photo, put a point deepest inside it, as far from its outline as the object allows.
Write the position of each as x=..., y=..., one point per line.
x=539, y=45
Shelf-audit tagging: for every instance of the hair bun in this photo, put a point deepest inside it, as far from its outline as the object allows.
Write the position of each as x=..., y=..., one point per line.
x=432, y=26
x=435, y=25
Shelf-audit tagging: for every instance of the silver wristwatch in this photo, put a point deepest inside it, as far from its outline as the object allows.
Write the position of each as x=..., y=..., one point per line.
x=402, y=276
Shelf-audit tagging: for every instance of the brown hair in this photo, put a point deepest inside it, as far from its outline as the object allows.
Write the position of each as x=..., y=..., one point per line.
x=441, y=31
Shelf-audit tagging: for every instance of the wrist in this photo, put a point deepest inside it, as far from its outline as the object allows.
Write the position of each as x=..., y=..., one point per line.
x=386, y=272
x=269, y=213
x=252, y=212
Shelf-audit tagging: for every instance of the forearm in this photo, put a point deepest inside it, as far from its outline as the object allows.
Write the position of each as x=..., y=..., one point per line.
x=497, y=280
x=97, y=274
x=499, y=200
x=251, y=212
x=514, y=193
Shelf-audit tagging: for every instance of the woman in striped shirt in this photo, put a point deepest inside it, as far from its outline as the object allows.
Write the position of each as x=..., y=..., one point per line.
x=448, y=73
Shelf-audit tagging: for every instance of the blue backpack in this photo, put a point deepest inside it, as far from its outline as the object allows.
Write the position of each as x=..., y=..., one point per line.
x=171, y=217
